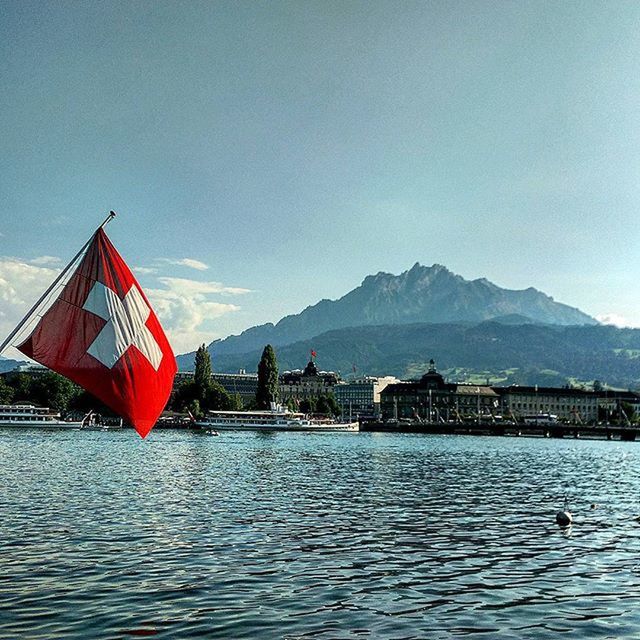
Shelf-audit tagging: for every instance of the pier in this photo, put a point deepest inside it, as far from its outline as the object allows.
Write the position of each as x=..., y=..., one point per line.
x=559, y=430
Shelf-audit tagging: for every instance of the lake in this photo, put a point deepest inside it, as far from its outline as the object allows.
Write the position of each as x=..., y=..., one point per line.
x=341, y=535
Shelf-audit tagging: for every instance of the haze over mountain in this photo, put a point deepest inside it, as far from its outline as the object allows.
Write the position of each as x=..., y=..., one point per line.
x=421, y=294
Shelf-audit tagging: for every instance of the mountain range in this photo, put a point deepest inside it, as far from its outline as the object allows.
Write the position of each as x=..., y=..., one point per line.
x=475, y=330
x=7, y=364
x=421, y=294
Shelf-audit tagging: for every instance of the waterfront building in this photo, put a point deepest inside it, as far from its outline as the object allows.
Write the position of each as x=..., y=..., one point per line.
x=578, y=406
x=242, y=383
x=182, y=376
x=32, y=370
x=617, y=406
x=360, y=398
x=431, y=399
x=309, y=382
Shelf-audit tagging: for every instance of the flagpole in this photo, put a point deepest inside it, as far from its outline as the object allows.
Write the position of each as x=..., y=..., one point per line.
x=109, y=218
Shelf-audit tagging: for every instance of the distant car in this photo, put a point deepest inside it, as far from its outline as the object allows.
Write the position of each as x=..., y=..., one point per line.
x=541, y=418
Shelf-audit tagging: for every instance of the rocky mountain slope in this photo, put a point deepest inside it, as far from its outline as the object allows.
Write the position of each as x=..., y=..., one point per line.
x=420, y=295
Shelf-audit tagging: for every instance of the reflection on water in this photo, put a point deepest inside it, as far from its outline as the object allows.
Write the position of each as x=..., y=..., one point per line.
x=326, y=535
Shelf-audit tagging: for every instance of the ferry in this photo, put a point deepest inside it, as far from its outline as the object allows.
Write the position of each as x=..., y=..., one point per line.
x=29, y=416
x=275, y=419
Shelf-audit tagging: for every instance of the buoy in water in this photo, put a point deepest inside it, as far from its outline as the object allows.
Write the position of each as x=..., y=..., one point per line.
x=564, y=517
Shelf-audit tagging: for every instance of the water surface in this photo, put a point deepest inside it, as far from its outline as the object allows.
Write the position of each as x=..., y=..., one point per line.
x=247, y=535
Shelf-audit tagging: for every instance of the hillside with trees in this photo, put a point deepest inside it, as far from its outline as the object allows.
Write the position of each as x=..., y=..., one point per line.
x=503, y=353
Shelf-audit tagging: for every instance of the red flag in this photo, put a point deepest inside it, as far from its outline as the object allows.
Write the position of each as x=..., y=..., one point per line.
x=102, y=333
x=313, y=353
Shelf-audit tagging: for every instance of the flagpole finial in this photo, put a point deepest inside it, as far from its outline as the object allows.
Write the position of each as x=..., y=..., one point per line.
x=107, y=220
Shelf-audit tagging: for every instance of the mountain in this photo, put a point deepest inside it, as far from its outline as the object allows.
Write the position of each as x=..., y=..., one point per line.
x=505, y=353
x=420, y=295
x=6, y=364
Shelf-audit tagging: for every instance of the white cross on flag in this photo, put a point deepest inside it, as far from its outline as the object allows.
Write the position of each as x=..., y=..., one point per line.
x=102, y=333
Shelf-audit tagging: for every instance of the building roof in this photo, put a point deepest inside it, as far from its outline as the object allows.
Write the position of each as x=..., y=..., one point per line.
x=474, y=390
x=554, y=391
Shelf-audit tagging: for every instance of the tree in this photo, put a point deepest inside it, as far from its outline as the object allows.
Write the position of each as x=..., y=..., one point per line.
x=6, y=392
x=268, y=388
x=193, y=407
x=327, y=405
x=53, y=390
x=216, y=398
x=324, y=404
x=308, y=405
x=212, y=396
x=184, y=395
x=21, y=385
x=202, y=375
x=236, y=402
x=210, y=393
x=85, y=402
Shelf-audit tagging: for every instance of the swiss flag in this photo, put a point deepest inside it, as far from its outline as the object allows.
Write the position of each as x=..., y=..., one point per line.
x=102, y=333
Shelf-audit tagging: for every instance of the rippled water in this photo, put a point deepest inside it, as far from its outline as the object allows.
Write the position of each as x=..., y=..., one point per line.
x=323, y=535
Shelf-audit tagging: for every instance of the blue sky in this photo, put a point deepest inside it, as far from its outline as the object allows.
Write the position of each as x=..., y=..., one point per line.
x=265, y=155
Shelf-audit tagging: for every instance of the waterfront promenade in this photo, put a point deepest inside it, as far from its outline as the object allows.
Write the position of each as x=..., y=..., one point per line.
x=559, y=430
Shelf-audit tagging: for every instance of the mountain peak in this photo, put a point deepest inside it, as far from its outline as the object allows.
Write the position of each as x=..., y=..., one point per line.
x=434, y=268
x=420, y=295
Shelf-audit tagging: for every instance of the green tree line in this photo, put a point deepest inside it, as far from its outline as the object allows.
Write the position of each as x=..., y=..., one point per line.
x=203, y=393
x=198, y=395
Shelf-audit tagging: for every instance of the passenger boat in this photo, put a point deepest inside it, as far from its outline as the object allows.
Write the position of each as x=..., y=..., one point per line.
x=29, y=416
x=276, y=419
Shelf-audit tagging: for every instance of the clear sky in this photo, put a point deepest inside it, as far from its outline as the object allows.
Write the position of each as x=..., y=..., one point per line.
x=265, y=155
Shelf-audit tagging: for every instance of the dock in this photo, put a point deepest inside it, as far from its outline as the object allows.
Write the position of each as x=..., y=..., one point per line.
x=559, y=430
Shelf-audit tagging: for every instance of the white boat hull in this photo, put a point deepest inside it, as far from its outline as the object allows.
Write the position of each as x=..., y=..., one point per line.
x=277, y=418
x=348, y=426
x=39, y=424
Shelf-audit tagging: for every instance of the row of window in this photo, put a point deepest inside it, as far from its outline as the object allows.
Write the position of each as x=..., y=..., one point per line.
x=542, y=406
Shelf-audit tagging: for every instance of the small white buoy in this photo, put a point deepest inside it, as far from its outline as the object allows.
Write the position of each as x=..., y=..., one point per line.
x=564, y=517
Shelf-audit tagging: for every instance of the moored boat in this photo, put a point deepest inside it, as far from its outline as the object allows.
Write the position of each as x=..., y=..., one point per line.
x=29, y=416
x=275, y=419
x=93, y=422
